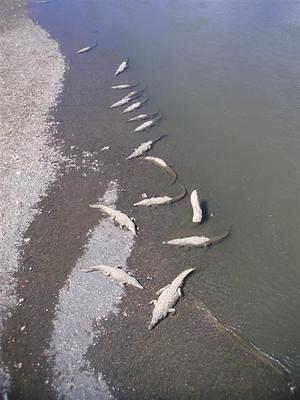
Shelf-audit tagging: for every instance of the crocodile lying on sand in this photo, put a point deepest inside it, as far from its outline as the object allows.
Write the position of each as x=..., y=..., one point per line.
x=116, y=273
x=118, y=216
x=197, y=211
x=168, y=297
x=163, y=200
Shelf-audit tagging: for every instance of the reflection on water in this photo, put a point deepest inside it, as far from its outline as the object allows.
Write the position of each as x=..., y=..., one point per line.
x=226, y=76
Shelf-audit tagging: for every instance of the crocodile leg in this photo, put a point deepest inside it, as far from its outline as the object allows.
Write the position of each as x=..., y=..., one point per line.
x=172, y=311
x=180, y=292
x=153, y=302
x=162, y=289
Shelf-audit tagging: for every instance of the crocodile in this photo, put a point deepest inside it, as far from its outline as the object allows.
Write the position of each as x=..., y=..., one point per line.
x=136, y=105
x=142, y=117
x=118, y=216
x=168, y=297
x=136, y=93
x=147, y=124
x=122, y=67
x=126, y=99
x=86, y=49
x=163, y=200
x=163, y=165
x=117, y=274
x=197, y=241
x=144, y=147
x=197, y=211
x=125, y=85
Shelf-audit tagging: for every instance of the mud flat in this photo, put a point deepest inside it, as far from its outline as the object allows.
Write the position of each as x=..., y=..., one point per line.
x=32, y=70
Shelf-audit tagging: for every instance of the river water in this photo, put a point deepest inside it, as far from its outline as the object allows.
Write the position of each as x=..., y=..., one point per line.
x=225, y=75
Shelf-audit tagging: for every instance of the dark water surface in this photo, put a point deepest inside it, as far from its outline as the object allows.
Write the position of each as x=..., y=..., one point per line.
x=225, y=75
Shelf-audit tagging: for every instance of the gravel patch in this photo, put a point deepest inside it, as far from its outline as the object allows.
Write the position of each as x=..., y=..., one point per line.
x=84, y=301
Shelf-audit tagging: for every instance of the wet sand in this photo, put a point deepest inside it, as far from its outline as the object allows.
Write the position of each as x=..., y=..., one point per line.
x=186, y=356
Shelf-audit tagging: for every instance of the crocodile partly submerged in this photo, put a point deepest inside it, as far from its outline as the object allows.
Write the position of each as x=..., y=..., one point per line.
x=163, y=165
x=198, y=241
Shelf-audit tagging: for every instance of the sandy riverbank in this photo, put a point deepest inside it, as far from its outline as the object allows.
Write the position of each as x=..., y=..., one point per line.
x=32, y=70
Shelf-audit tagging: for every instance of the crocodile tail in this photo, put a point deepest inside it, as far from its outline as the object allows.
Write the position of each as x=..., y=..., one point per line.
x=137, y=284
x=92, y=269
x=188, y=271
x=152, y=325
x=172, y=173
x=139, y=92
x=219, y=238
x=157, y=117
x=133, y=97
x=133, y=84
x=154, y=114
x=93, y=46
x=182, y=276
x=181, y=195
x=96, y=206
x=159, y=138
x=144, y=99
x=143, y=88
